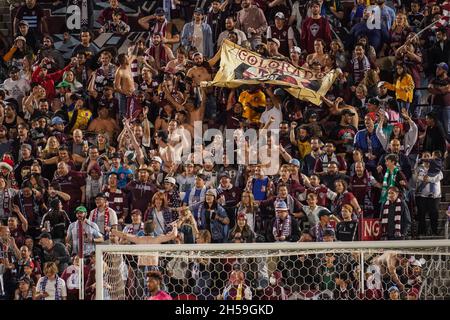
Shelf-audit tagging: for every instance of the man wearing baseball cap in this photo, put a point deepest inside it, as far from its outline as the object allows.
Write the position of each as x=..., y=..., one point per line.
x=104, y=216
x=317, y=232
x=141, y=189
x=16, y=86
x=82, y=235
x=202, y=41
x=283, y=32
x=161, y=25
x=273, y=44
x=171, y=191
x=439, y=88
x=194, y=197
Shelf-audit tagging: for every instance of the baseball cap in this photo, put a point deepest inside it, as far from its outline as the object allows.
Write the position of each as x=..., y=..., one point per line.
x=224, y=174
x=157, y=159
x=23, y=22
x=170, y=180
x=160, y=11
x=323, y=212
x=374, y=101
x=443, y=66
x=57, y=120
x=198, y=10
x=347, y=111
x=380, y=84
x=280, y=15
x=393, y=288
x=281, y=205
x=81, y=209
x=328, y=232
x=295, y=162
x=296, y=49
x=212, y=192
x=101, y=195
x=20, y=38
x=274, y=40
x=45, y=235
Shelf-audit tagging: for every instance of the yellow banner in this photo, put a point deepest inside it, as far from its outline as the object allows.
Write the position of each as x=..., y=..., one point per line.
x=239, y=66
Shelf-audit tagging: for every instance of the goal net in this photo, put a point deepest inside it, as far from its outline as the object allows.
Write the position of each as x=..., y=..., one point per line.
x=278, y=271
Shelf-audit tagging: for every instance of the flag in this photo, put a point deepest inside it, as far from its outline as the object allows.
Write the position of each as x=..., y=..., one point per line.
x=240, y=66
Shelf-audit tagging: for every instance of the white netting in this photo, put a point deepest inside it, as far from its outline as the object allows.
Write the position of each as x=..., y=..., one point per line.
x=422, y=273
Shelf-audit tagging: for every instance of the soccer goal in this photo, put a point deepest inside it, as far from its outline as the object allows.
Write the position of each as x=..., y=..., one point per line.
x=278, y=271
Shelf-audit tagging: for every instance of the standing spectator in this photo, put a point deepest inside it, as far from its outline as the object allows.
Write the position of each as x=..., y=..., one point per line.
x=214, y=218
x=158, y=23
x=54, y=252
x=393, y=177
x=116, y=25
x=73, y=183
x=315, y=27
x=440, y=51
x=395, y=216
x=141, y=190
x=428, y=193
x=403, y=87
x=103, y=215
x=367, y=141
x=347, y=229
x=106, y=14
x=230, y=26
x=198, y=34
x=56, y=221
x=215, y=18
x=242, y=232
x=16, y=87
x=317, y=231
x=50, y=286
x=283, y=32
x=252, y=21
x=284, y=226
x=85, y=45
x=33, y=14
x=434, y=138
x=440, y=89
x=82, y=234
x=159, y=51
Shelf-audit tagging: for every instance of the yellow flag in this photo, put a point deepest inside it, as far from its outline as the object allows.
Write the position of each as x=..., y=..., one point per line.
x=239, y=66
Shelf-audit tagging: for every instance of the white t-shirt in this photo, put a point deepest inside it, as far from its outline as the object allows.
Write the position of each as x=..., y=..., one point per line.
x=50, y=288
x=198, y=38
x=16, y=89
x=100, y=219
x=274, y=112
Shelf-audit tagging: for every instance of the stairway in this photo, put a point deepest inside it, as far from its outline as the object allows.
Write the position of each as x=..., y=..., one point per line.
x=5, y=19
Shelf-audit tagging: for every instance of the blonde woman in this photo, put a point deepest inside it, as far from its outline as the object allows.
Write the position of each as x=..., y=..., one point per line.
x=51, y=287
x=187, y=225
x=398, y=33
x=51, y=148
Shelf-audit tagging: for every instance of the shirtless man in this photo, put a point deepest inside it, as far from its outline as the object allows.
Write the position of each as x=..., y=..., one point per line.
x=104, y=123
x=201, y=71
x=195, y=114
x=388, y=263
x=123, y=82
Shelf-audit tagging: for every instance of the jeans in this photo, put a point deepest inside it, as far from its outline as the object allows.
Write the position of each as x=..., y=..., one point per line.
x=430, y=206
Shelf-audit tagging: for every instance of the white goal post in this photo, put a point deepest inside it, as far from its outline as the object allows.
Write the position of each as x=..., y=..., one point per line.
x=435, y=252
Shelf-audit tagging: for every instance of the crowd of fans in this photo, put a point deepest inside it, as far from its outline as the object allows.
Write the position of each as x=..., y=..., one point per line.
x=89, y=141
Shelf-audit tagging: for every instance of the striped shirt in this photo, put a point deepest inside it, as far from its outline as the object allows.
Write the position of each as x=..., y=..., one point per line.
x=90, y=232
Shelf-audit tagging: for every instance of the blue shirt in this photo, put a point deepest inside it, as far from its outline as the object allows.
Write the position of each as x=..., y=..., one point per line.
x=122, y=176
